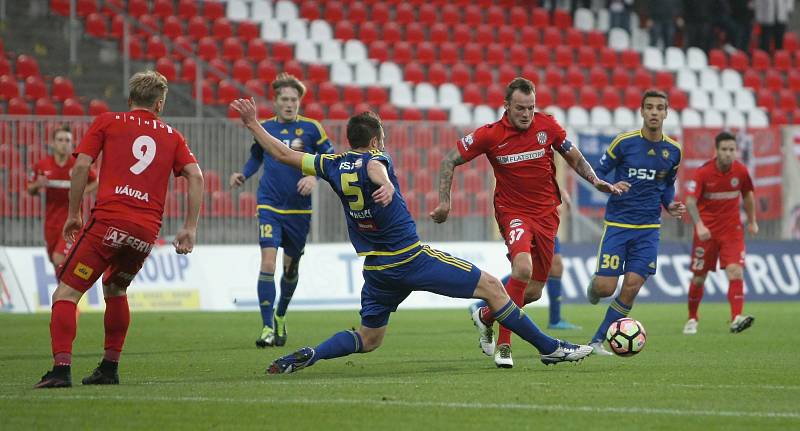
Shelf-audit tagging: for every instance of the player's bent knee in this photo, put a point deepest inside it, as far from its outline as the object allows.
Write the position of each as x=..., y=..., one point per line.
x=371, y=338
x=699, y=279
x=734, y=272
x=66, y=293
x=489, y=288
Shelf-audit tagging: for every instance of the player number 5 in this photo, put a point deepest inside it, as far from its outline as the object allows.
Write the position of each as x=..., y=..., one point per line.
x=144, y=150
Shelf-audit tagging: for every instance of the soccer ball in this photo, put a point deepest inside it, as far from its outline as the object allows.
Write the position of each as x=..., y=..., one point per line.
x=626, y=336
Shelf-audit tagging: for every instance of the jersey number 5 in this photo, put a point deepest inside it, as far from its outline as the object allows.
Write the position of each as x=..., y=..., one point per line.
x=144, y=150
x=350, y=189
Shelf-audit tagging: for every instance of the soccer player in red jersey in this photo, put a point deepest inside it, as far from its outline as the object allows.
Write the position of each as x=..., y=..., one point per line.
x=520, y=147
x=51, y=175
x=713, y=203
x=139, y=154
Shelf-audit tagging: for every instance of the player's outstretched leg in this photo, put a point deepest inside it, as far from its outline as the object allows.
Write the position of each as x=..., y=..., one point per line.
x=506, y=313
x=616, y=310
x=266, y=299
x=741, y=322
x=340, y=344
x=485, y=332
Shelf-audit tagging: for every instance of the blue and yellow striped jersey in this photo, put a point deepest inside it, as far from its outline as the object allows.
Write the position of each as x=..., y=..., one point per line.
x=381, y=233
x=650, y=168
x=277, y=189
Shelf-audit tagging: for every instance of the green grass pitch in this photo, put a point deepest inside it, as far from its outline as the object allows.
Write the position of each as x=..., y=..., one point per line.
x=199, y=371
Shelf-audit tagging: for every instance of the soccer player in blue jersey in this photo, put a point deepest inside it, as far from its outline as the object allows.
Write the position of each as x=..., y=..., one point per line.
x=284, y=203
x=382, y=230
x=648, y=161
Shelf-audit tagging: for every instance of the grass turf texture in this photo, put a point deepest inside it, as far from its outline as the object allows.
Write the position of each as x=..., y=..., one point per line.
x=202, y=371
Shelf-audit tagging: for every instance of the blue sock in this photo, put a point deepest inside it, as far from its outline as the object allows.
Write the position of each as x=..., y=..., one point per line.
x=616, y=310
x=340, y=344
x=513, y=318
x=479, y=304
x=554, y=293
x=266, y=296
x=288, y=285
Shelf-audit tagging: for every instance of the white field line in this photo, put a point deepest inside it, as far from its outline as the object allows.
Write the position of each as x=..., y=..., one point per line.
x=415, y=404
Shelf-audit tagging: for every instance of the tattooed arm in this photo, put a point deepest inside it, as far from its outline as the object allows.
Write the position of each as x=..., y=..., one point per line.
x=448, y=166
x=578, y=163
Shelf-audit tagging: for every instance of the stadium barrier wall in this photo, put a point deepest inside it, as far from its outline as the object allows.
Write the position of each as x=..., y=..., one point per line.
x=791, y=182
x=223, y=278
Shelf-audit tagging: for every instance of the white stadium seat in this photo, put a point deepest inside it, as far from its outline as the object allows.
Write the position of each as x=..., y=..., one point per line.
x=686, y=80
x=557, y=113
x=674, y=59
x=584, y=19
x=366, y=73
x=713, y=118
x=652, y=59
x=271, y=31
x=735, y=119
x=696, y=59
x=401, y=95
x=306, y=51
x=577, y=117
x=483, y=114
x=691, y=118
x=698, y=99
x=389, y=73
x=743, y=99
x=709, y=79
x=425, y=95
x=673, y=122
x=285, y=10
x=721, y=99
x=461, y=115
x=449, y=95
x=237, y=10
x=320, y=31
x=296, y=30
x=624, y=118
x=618, y=39
x=756, y=117
x=354, y=51
x=330, y=51
x=731, y=79
x=600, y=117
x=501, y=111
x=603, y=21
x=261, y=10
x=341, y=73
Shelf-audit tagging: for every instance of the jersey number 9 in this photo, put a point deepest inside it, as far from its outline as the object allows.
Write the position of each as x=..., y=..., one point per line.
x=144, y=150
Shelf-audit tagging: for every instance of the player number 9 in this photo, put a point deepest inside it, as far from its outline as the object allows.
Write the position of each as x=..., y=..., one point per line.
x=144, y=157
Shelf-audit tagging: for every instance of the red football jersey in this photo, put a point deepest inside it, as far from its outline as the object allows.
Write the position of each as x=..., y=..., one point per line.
x=522, y=161
x=57, y=189
x=719, y=193
x=139, y=153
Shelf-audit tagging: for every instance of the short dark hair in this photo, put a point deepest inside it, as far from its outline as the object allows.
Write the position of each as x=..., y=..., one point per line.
x=61, y=128
x=655, y=93
x=288, y=80
x=362, y=128
x=723, y=136
x=525, y=86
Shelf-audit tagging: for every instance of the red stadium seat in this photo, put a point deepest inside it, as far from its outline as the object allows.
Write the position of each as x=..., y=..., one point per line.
x=439, y=33
x=377, y=96
x=232, y=49
x=247, y=204
x=388, y=112
x=156, y=48
x=368, y=32
x=357, y=12
x=565, y=97
x=518, y=17
x=437, y=74
x=632, y=98
x=404, y=13
x=26, y=66
x=529, y=71
x=310, y=10
x=222, y=28
x=172, y=204
x=411, y=114
x=678, y=100
x=198, y=28
x=182, y=47
x=608, y=58
x=483, y=74
x=782, y=60
x=794, y=80
x=352, y=94
x=426, y=53
x=610, y=98
x=539, y=17
x=188, y=70
x=242, y=70
x=402, y=52
x=664, y=80
x=620, y=77
x=790, y=42
x=282, y=51
x=642, y=78
x=460, y=74
x=313, y=110
x=213, y=10
x=551, y=37
x=318, y=73
x=716, y=58
x=472, y=15
x=207, y=92
x=379, y=50
x=414, y=33
x=164, y=8
x=544, y=97
x=380, y=13
x=760, y=60
x=450, y=14
x=5, y=66
x=596, y=39
x=751, y=78
x=135, y=48
x=495, y=95
x=344, y=30
x=765, y=98
x=148, y=25
x=472, y=94
x=598, y=77
x=60, y=7
x=255, y=87
x=137, y=8
x=334, y=12
x=573, y=37
x=212, y=181
x=248, y=30
x=413, y=72
x=96, y=25
x=62, y=89
x=97, y=107
x=473, y=54
x=540, y=55
x=738, y=61
x=574, y=76
x=519, y=55
x=266, y=70
x=221, y=204
x=338, y=111
x=448, y=53
x=45, y=106
x=435, y=114
x=294, y=67
x=72, y=107
x=391, y=32
x=787, y=100
x=506, y=72
x=207, y=48
x=587, y=56
x=553, y=77
x=496, y=54
x=256, y=49
x=773, y=79
x=18, y=106
x=35, y=88
x=562, y=19
x=779, y=117
x=630, y=59
x=588, y=97
x=462, y=34
x=328, y=93
x=563, y=56
x=426, y=14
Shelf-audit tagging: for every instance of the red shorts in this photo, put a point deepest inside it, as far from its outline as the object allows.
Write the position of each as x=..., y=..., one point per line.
x=727, y=247
x=116, y=248
x=534, y=235
x=55, y=241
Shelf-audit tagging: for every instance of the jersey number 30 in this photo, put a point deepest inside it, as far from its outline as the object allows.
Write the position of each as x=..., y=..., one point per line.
x=144, y=150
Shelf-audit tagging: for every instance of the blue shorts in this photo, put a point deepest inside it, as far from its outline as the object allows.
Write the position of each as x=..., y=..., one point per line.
x=431, y=271
x=557, y=247
x=627, y=250
x=283, y=230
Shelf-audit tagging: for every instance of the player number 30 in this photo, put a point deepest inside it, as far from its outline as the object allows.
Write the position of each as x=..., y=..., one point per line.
x=609, y=261
x=144, y=150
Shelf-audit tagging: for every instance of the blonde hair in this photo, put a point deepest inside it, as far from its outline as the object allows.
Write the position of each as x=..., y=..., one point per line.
x=288, y=80
x=146, y=88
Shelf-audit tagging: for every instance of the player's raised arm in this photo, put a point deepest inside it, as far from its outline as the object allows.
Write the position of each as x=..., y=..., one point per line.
x=80, y=176
x=379, y=176
x=446, y=170
x=280, y=152
x=578, y=163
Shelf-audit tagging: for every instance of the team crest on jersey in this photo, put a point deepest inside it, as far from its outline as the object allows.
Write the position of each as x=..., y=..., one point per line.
x=297, y=144
x=358, y=163
x=699, y=252
x=665, y=154
x=298, y=131
x=466, y=141
x=541, y=137
x=515, y=223
x=734, y=182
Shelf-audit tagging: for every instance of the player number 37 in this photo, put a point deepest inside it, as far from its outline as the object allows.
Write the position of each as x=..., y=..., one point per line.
x=144, y=151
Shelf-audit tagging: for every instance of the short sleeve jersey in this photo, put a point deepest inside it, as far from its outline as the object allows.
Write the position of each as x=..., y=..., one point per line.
x=719, y=194
x=139, y=154
x=375, y=231
x=650, y=167
x=522, y=161
x=277, y=188
x=57, y=189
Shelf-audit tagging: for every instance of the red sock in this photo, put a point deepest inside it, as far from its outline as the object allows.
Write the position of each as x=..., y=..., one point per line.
x=116, y=321
x=736, y=297
x=63, y=327
x=516, y=290
x=695, y=296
